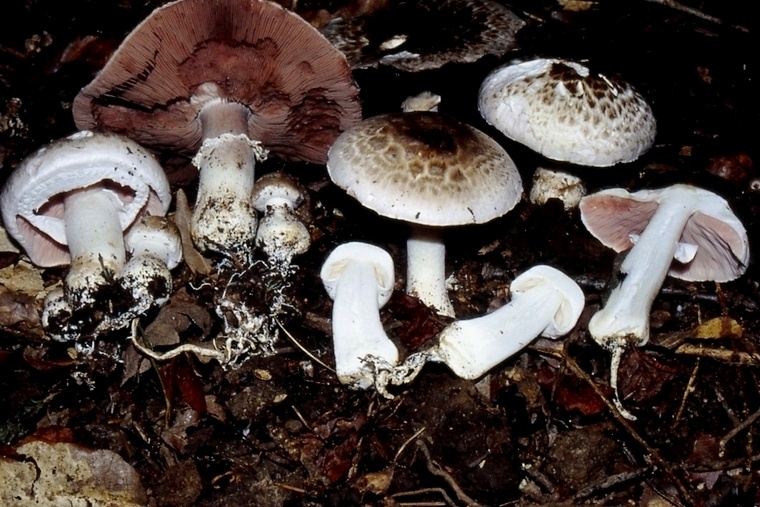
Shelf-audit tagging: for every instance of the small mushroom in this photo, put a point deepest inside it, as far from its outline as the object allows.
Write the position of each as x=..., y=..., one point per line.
x=545, y=302
x=281, y=234
x=155, y=246
x=359, y=278
x=423, y=101
x=566, y=112
x=692, y=226
x=71, y=201
x=413, y=36
x=551, y=184
x=432, y=172
x=229, y=81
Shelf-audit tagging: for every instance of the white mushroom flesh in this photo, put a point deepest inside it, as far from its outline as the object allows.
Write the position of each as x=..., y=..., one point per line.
x=359, y=279
x=545, y=302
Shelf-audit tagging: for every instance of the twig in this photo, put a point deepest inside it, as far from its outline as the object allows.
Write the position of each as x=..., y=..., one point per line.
x=738, y=429
x=436, y=470
x=695, y=12
x=407, y=442
x=687, y=391
x=655, y=456
x=723, y=355
x=610, y=482
x=446, y=498
x=303, y=349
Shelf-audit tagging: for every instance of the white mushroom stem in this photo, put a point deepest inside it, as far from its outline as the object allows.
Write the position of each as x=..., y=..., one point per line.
x=359, y=278
x=281, y=235
x=95, y=241
x=224, y=219
x=624, y=320
x=545, y=302
x=426, y=268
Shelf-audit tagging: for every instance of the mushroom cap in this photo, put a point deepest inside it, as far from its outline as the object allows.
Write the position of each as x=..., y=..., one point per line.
x=157, y=235
x=297, y=86
x=426, y=169
x=544, y=277
x=413, y=36
x=359, y=252
x=566, y=112
x=276, y=185
x=32, y=199
x=615, y=215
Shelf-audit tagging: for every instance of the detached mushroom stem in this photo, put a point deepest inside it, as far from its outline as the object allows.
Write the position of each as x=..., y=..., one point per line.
x=545, y=302
x=359, y=278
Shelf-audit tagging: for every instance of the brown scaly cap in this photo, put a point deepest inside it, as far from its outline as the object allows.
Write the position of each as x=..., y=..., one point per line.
x=297, y=86
x=425, y=168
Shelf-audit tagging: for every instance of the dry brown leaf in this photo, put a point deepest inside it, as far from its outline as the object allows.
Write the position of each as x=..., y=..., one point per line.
x=65, y=474
x=197, y=263
x=176, y=317
x=719, y=327
x=22, y=277
x=20, y=314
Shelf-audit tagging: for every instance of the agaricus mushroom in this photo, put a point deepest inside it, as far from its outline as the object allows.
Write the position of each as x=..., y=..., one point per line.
x=71, y=201
x=359, y=278
x=545, y=302
x=432, y=172
x=229, y=81
x=414, y=36
x=552, y=184
x=564, y=111
x=682, y=231
x=281, y=234
x=155, y=246
x=423, y=101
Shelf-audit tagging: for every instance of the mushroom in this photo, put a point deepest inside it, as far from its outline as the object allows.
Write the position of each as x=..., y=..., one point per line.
x=414, y=36
x=560, y=185
x=359, y=278
x=155, y=246
x=691, y=225
x=545, y=302
x=281, y=234
x=229, y=81
x=564, y=111
x=432, y=172
x=71, y=201
x=423, y=101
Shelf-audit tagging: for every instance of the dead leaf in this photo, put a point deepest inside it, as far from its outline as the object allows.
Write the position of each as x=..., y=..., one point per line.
x=22, y=277
x=642, y=376
x=67, y=474
x=175, y=318
x=719, y=327
x=197, y=263
x=20, y=315
x=416, y=323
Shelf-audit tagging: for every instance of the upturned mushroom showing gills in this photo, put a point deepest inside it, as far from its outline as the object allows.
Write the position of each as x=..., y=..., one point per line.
x=566, y=112
x=414, y=36
x=545, y=302
x=359, y=278
x=432, y=172
x=682, y=231
x=70, y=203
x=228, y=81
